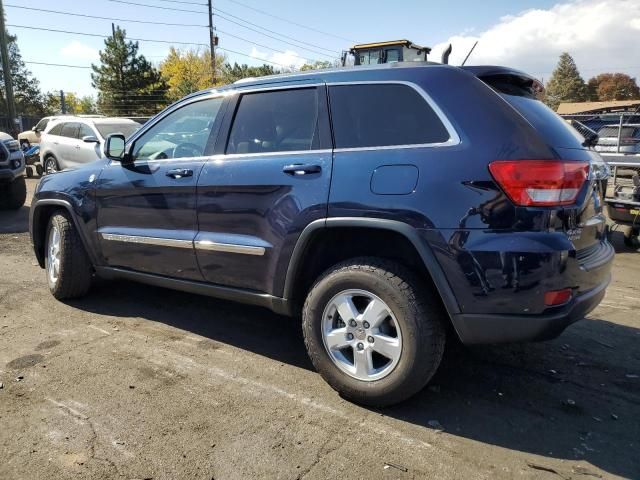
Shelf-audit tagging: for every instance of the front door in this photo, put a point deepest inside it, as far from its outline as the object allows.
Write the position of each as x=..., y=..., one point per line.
x=269, y=179
x=147, y=208
x=65, y=145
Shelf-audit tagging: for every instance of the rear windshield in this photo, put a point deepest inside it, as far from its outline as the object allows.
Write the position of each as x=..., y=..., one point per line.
x=613, y=132
x=127, y=129
x=520, y=94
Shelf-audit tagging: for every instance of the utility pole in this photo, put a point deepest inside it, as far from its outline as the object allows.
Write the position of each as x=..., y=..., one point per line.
x=213, y=41
x=63, y=104
x=6, y=72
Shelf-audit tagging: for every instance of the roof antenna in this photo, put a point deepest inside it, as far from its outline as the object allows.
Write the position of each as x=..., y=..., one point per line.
x=445, y=55
x=468, y=54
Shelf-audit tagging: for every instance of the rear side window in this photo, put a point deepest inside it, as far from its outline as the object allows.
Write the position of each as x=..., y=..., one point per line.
x=277, y=121
x=376, y=115
x=70, y=130
x=56, y=129
x=613, y=132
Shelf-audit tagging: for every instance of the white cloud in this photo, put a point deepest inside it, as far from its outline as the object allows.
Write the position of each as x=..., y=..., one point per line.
x=289, y=58
x=79, y=50
x=601, y=35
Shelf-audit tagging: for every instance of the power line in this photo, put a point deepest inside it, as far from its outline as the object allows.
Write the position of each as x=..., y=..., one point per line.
x=182, y=1
x=57, y=64
x=234, y=16
x=261, y=45
x=104, y=36
x=148, y=40
x=218, y=11
x=158, y=6
x=274, y=38
x=104, y=18
x=291, y=21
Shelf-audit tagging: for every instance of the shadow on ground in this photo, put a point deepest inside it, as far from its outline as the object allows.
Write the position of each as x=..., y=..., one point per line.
x=14, y=221
x=568, y=399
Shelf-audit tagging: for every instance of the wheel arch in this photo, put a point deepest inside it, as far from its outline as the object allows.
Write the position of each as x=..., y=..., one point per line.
x=313, y=233
x=40, y=214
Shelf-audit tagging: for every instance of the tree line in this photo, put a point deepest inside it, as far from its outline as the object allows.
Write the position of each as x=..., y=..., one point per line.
x=567, y=85
x=130, y=85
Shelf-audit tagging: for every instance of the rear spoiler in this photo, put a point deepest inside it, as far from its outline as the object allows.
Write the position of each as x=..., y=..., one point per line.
x=506, y=79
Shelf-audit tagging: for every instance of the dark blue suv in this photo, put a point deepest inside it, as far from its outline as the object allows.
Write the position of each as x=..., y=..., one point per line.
x=385, y=205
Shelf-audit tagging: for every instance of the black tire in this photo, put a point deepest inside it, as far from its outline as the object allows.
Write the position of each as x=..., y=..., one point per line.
x=418, y=313
x=13, y=195
x=29, y=171
x=50, y=165
x=75, y=269
x=39, y=169
x=631, y=238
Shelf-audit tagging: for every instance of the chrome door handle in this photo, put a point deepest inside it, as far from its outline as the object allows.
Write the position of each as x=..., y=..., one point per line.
x=180, y=173
x=301, y=169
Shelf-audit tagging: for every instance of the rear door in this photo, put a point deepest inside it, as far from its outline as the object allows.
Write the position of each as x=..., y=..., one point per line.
x=269, y=180
x=147, y=207
x=65, y=145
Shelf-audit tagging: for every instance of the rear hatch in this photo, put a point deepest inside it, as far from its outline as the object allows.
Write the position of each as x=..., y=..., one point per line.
x=581, y=215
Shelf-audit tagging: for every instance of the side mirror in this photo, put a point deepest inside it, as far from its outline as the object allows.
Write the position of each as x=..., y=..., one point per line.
x=114, y=147
x=35, y=129
x=90, y=139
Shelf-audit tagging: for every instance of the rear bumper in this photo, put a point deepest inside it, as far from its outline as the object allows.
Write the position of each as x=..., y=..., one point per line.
x=487, y=329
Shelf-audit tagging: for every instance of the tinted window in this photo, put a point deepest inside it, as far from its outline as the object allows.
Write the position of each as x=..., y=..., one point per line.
x=183, y=133
x=383, y=114
x=548, y=123
x=70, y=130
x=279, y=121
x=56, y=129
x=127, y=129
x=42, y=124
x=86, y=131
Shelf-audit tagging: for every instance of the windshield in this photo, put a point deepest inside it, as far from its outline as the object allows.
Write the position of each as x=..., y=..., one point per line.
x=127, y=129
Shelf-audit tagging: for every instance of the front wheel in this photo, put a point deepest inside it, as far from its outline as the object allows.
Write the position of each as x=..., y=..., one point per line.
x=631, y=237
x=13, y=195
x=50, y=165
x=374, y=332
x=68, y=267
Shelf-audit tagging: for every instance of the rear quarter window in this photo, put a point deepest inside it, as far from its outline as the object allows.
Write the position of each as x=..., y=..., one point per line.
x=555, y=130
x=376, y=115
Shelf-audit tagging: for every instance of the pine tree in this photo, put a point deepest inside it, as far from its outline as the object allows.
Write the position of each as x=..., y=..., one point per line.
x=127, y=83
x=565, y=84
x=26, y=89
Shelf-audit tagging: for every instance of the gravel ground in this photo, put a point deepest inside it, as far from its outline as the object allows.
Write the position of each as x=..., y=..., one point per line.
x=140, y=382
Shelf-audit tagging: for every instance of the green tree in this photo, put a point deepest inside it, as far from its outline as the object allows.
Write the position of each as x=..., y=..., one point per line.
x=612, y=86
x=232, y=73
x=73, y=104
x=317, y=65
x=565, y=84
x=189, y=71
x=26, y=89
x=127, y=83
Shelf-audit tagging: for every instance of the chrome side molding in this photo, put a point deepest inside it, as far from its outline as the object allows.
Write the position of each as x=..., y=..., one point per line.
x=228, y=247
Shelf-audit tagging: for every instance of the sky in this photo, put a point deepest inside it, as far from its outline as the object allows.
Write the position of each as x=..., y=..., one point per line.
x=601, y=35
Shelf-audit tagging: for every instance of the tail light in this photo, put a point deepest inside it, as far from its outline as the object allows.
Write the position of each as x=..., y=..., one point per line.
x=542, y=183
x=557, y=297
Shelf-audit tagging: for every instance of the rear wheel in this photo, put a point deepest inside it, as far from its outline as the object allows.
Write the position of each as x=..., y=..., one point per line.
x=631, y=238
x=50, y=165
x=13, y=195
x=68, y=267
x=373, y=331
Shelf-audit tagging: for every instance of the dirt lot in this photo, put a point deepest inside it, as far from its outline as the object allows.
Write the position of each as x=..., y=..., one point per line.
x=141, y=382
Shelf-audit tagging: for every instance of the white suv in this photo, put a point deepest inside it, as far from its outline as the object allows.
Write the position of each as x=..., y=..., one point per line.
x=72, y=141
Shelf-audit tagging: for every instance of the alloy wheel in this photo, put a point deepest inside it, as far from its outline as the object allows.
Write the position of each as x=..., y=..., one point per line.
x=361, y=335
x=53, y=255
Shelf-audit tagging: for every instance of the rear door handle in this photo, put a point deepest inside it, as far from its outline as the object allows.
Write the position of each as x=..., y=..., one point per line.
x=301, y=169
x=180, y=173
